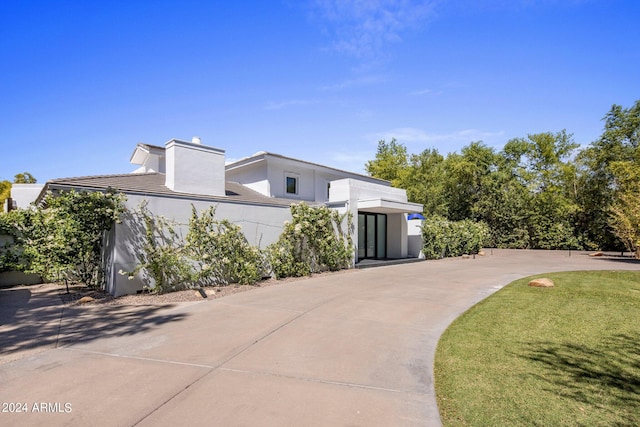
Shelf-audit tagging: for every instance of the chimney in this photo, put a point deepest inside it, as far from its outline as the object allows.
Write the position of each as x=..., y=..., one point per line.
x=194, y=168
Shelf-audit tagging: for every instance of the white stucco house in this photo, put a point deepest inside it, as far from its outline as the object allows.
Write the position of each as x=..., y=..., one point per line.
x=254, y=192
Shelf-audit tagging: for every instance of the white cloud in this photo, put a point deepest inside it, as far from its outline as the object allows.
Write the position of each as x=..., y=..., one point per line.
x=279, y=105
x=363, y=28
x=366, y=114
x=353, y=161
x=421, y=92
x=403, y=135
x=425, y=92
x=411, y=135
x=361, y=81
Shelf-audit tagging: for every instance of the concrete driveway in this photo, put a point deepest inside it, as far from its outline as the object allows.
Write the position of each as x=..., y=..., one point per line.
x=337, y=350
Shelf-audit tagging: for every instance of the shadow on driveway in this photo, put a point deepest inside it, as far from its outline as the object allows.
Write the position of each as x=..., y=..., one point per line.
x=35, y=319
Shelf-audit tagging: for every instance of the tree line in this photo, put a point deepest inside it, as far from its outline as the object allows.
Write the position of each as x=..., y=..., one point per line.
x=542, y=191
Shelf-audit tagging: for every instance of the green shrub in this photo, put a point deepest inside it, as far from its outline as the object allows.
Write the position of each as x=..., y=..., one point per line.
x=285, y=259
x=162, y=254
x=443, y=238
x=11, y=252
x=221, y=251
x=317, y=239
x=214, y=252
x=63, y=238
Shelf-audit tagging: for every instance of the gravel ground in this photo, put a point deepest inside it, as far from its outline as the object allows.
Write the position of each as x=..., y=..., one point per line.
x=81, y=295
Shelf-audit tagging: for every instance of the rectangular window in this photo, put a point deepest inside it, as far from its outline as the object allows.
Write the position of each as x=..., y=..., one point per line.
x=291, y=185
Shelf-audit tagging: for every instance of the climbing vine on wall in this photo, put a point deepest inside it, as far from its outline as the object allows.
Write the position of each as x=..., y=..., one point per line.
x=213, y=253
x=317, y=239
x=221, y=251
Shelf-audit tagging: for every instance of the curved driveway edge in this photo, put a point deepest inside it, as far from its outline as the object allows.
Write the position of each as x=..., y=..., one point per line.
x=345, y=349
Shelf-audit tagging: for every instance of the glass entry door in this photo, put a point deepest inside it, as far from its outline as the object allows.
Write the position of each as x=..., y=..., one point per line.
x=372, y=235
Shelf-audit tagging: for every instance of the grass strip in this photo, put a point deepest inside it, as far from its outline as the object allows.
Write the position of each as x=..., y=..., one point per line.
x=562, y=356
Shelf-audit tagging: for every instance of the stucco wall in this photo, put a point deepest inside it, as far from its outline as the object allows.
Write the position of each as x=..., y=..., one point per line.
x=396, y=236
x=312, y=180
x=261, y=225
x=414, y=234
x=344, y=189
x=24, y=194
x=278, y=170
x=268, y=176
x=252, y=176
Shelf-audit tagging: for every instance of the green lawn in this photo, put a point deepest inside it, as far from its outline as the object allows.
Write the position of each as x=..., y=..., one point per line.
x=562, y=356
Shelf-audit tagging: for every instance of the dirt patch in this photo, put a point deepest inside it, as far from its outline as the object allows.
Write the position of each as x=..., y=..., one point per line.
x=78, y=294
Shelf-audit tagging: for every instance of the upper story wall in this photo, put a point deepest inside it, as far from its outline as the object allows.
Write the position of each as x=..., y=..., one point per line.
x=278, y=176
x=352, y=189
x=252, y=175
x=310, y=183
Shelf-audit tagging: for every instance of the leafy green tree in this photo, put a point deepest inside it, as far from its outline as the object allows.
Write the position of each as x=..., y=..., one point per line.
x=625, y=209
x=596, y=177
x=390, y=163
x=24, y=178
x=424, y=181
x=542, y=163
x=5, y=192
x=65, y=238
x=537, y=192
x=466, y=179
x=504, y=207
x=625, y=220
x=47, y=238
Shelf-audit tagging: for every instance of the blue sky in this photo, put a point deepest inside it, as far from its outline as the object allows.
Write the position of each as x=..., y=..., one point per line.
x=83, y=81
